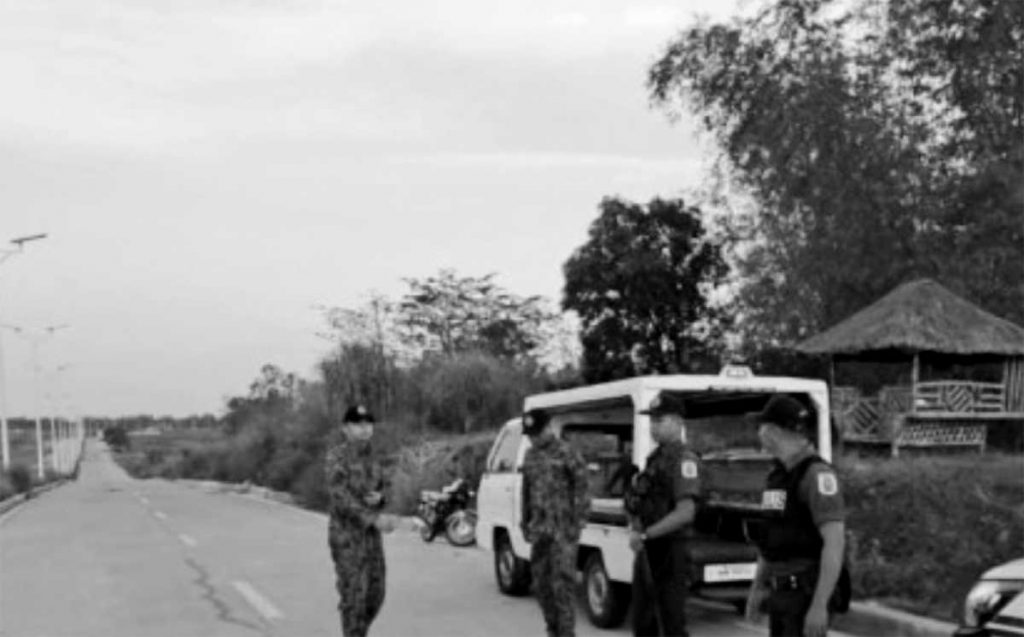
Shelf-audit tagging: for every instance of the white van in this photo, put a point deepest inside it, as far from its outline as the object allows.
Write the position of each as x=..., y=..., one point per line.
x=603, y=422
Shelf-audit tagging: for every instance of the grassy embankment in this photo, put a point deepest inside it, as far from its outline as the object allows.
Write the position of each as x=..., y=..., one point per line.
x=23, y=472
x=922, y=529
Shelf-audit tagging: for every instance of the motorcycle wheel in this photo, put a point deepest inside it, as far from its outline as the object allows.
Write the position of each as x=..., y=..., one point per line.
x=427, y=530
x=460, y=528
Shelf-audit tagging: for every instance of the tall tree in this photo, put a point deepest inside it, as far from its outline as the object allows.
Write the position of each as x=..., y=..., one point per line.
x=849, y=164
x=641, y=285
x=451, y=313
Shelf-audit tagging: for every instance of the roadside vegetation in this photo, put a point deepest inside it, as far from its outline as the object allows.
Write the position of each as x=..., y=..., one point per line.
x=922, y=529
x=23, y=474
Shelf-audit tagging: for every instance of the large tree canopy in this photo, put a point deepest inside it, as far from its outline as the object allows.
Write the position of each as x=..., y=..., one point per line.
x=450, y=313
x=878, y=145
x=640, y=285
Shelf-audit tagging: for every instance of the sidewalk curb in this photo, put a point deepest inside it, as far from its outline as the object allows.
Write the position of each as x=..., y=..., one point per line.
x=13, y=501
x=872, y=618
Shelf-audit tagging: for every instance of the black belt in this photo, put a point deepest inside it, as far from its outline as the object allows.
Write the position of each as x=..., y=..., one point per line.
x=794, y=582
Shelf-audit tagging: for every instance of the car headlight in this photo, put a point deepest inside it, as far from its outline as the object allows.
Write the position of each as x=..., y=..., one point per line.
x=987, y=598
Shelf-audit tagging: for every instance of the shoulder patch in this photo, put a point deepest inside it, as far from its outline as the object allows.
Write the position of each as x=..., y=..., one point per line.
x=689, y=469
x=827, y=484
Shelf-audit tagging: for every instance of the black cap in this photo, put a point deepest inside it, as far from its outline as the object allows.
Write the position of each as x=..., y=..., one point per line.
x=534, y=421
x=785, y=412
x=665, y=403
x=357, y=414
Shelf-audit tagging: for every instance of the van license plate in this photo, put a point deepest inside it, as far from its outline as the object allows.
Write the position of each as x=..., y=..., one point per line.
x=729, y=572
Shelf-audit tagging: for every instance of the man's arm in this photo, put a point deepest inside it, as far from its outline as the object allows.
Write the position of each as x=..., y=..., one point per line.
x=833, y=536
x=346, y=497
x=677, y=518
x=758, y=591
x=580, y=491
x=524, y=503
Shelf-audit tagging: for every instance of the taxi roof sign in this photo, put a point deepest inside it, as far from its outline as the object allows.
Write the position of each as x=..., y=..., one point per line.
x=736, y=371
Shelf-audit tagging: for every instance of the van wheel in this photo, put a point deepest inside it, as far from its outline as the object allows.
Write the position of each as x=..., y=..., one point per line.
x=512, y=573
x=606, y=601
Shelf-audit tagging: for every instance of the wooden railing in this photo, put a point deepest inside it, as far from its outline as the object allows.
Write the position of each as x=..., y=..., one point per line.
x=959, y=397
x=893, y=415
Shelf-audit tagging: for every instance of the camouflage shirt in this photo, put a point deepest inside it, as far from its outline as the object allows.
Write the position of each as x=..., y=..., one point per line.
x=352, y=475
x=555, y=501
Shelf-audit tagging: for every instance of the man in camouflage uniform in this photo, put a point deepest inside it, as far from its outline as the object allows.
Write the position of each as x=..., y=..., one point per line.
x=662, y=503
x=555, y=505
x=356, y=486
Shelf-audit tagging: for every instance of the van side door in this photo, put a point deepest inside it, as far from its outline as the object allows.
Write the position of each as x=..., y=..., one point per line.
x=498, y=495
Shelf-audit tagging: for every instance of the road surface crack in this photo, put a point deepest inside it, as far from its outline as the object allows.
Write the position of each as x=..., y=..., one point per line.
x=223, y=612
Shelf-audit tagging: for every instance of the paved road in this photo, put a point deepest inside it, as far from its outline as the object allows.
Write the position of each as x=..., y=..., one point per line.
x=110, y=556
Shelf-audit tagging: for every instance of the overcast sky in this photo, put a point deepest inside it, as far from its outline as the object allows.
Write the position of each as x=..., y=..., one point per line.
x=209, y=170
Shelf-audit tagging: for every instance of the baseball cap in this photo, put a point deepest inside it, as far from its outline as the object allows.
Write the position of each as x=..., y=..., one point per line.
x=534, y=421
x=665, y=403
x=357, y=414
x=785, y=412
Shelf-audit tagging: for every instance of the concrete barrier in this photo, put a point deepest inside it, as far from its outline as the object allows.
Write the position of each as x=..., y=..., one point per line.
x=872, y=618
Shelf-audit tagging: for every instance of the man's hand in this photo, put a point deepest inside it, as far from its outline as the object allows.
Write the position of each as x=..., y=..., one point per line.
x=385, y=523
x=755, y=598
x=816, y=621
x=636, y=540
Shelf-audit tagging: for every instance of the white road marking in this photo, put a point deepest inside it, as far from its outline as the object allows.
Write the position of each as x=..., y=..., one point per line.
x=187, y=539
x=257, y=601
x=160, y=514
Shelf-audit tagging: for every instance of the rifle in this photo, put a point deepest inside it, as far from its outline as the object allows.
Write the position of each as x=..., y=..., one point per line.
x=648, y=583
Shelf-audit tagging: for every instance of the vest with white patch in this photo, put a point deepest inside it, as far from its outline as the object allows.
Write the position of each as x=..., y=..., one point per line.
x=787, y=530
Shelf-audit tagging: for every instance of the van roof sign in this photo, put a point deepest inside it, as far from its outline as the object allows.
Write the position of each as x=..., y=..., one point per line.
x=736, y=371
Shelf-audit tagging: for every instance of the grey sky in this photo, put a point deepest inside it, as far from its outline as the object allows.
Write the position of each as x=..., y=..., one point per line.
x=210, y=170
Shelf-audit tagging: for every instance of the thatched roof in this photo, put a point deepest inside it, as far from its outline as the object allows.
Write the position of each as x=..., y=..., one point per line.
x=920, y=316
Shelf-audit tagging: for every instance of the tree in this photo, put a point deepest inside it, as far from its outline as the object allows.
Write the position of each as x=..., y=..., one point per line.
x=962, y=64
x=856, y=169
x=641, y=286
x=450, y=314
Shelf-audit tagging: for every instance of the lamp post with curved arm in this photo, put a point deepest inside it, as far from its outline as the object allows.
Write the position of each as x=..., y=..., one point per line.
x=35, y=338
x=5, y=444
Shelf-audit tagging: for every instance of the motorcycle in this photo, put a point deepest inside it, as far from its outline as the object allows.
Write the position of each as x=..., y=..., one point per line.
x=448, y=510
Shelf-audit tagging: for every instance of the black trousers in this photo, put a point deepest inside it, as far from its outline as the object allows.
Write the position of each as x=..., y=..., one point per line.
x=661, y=598
x=786, y=612
x=788, y=604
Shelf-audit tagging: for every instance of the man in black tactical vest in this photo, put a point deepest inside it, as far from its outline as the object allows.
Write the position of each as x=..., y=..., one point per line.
x=662, y=502
x=801, y=535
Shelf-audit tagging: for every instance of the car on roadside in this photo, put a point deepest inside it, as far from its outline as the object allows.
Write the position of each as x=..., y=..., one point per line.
x=604, y=422
x=995, y=604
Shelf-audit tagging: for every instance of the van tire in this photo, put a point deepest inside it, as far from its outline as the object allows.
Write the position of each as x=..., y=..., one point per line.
x=605, y=601
x=511, y=572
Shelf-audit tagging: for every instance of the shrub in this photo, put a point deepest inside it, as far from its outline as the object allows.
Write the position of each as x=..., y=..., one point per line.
x=20, y=477
x=923, y=529
x=309, y=487
x=117, y=438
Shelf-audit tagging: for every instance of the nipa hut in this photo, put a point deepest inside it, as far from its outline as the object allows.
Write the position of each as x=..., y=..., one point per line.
x=923, y=322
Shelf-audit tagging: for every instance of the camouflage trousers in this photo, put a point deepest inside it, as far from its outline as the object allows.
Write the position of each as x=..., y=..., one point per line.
x=358, y=555
x=553, y=566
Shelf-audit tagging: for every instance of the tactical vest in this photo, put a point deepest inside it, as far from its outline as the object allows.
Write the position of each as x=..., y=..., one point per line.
x=788, y=532
x=649, y=496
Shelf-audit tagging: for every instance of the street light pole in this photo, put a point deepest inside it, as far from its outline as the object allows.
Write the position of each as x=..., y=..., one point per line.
x=35, y=340
x=5, y=441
